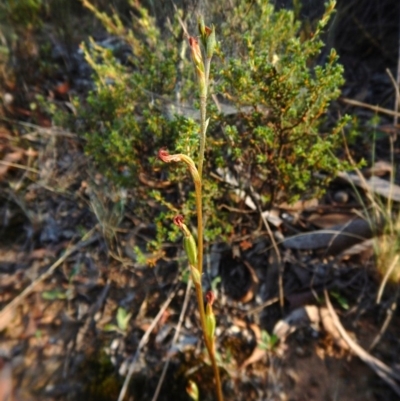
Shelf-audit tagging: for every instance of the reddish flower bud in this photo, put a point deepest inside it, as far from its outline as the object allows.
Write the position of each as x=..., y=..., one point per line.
x=198, y=64
x=163, y=155
x=179, y=157
x=196, y=53
x=210, y=297
x=178, y=220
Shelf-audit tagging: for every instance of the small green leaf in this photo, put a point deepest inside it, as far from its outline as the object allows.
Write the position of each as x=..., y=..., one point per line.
x=53, y=294
x=342, y=301
x=110, y=327
x=268, y=341
x=215, y=283
x=123, y=318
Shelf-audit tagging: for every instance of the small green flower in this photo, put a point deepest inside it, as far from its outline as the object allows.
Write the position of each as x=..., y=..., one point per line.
x=207, y=36
x=189, y=242
x=192, y=390
x=211, y=322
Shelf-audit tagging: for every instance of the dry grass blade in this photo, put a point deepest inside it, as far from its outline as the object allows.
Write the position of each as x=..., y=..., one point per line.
x=396, y=88
x=388, y=273
x=53, y=131
x=374, y=185
x=386, y=373
x=389, y=315
x=20, y=166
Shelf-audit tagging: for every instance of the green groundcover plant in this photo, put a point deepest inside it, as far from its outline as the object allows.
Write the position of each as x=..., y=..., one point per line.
x=272, y=77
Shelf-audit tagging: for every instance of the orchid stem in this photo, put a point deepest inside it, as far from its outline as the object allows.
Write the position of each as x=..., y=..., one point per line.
x=210, y=345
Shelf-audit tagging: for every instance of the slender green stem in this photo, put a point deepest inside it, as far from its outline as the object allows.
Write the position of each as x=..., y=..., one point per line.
x=218, y=386
x=199, y=211
x=207, y=65
x=203, y=128
x=200, y=245
x=203, y=103
x=199, y=291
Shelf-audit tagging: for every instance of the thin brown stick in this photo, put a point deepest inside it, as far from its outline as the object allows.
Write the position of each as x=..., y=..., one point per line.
x=265, y=304
x=397, y=101
x=143, y=342
x=397, y=92
x=20, y=166
x=378, y=109
x=274, y=247
x=389, y=315
x=278, y=254
x=174, y=339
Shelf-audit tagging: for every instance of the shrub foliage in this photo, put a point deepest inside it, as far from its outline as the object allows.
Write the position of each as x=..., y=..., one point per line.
x=278, y=81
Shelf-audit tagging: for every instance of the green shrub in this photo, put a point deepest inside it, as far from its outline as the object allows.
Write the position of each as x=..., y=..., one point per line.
x=23, y=13
x=265, y=68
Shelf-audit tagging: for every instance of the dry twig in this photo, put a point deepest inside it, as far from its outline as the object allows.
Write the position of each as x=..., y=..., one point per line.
x=174, y=340
x=377, y=109
x=142, y=343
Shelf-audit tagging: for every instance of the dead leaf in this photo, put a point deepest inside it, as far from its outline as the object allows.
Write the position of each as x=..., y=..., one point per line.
x=273, y=217
x=380, y=168
x=365, y=248
x=329, y=219
x=6, y=318
x=300, y=317
x=5, y=381
x=42, y=253
x=239, y=322
x=375, y=185
x=9, y=158
x=330, y=328
x=334, y=240
x=62, y=88
x=300, y=205
x=252, y=290
x=245, y=245
x=258, y=353
x=31, y=152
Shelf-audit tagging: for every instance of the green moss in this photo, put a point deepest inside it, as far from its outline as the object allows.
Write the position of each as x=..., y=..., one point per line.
x=102, y=382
